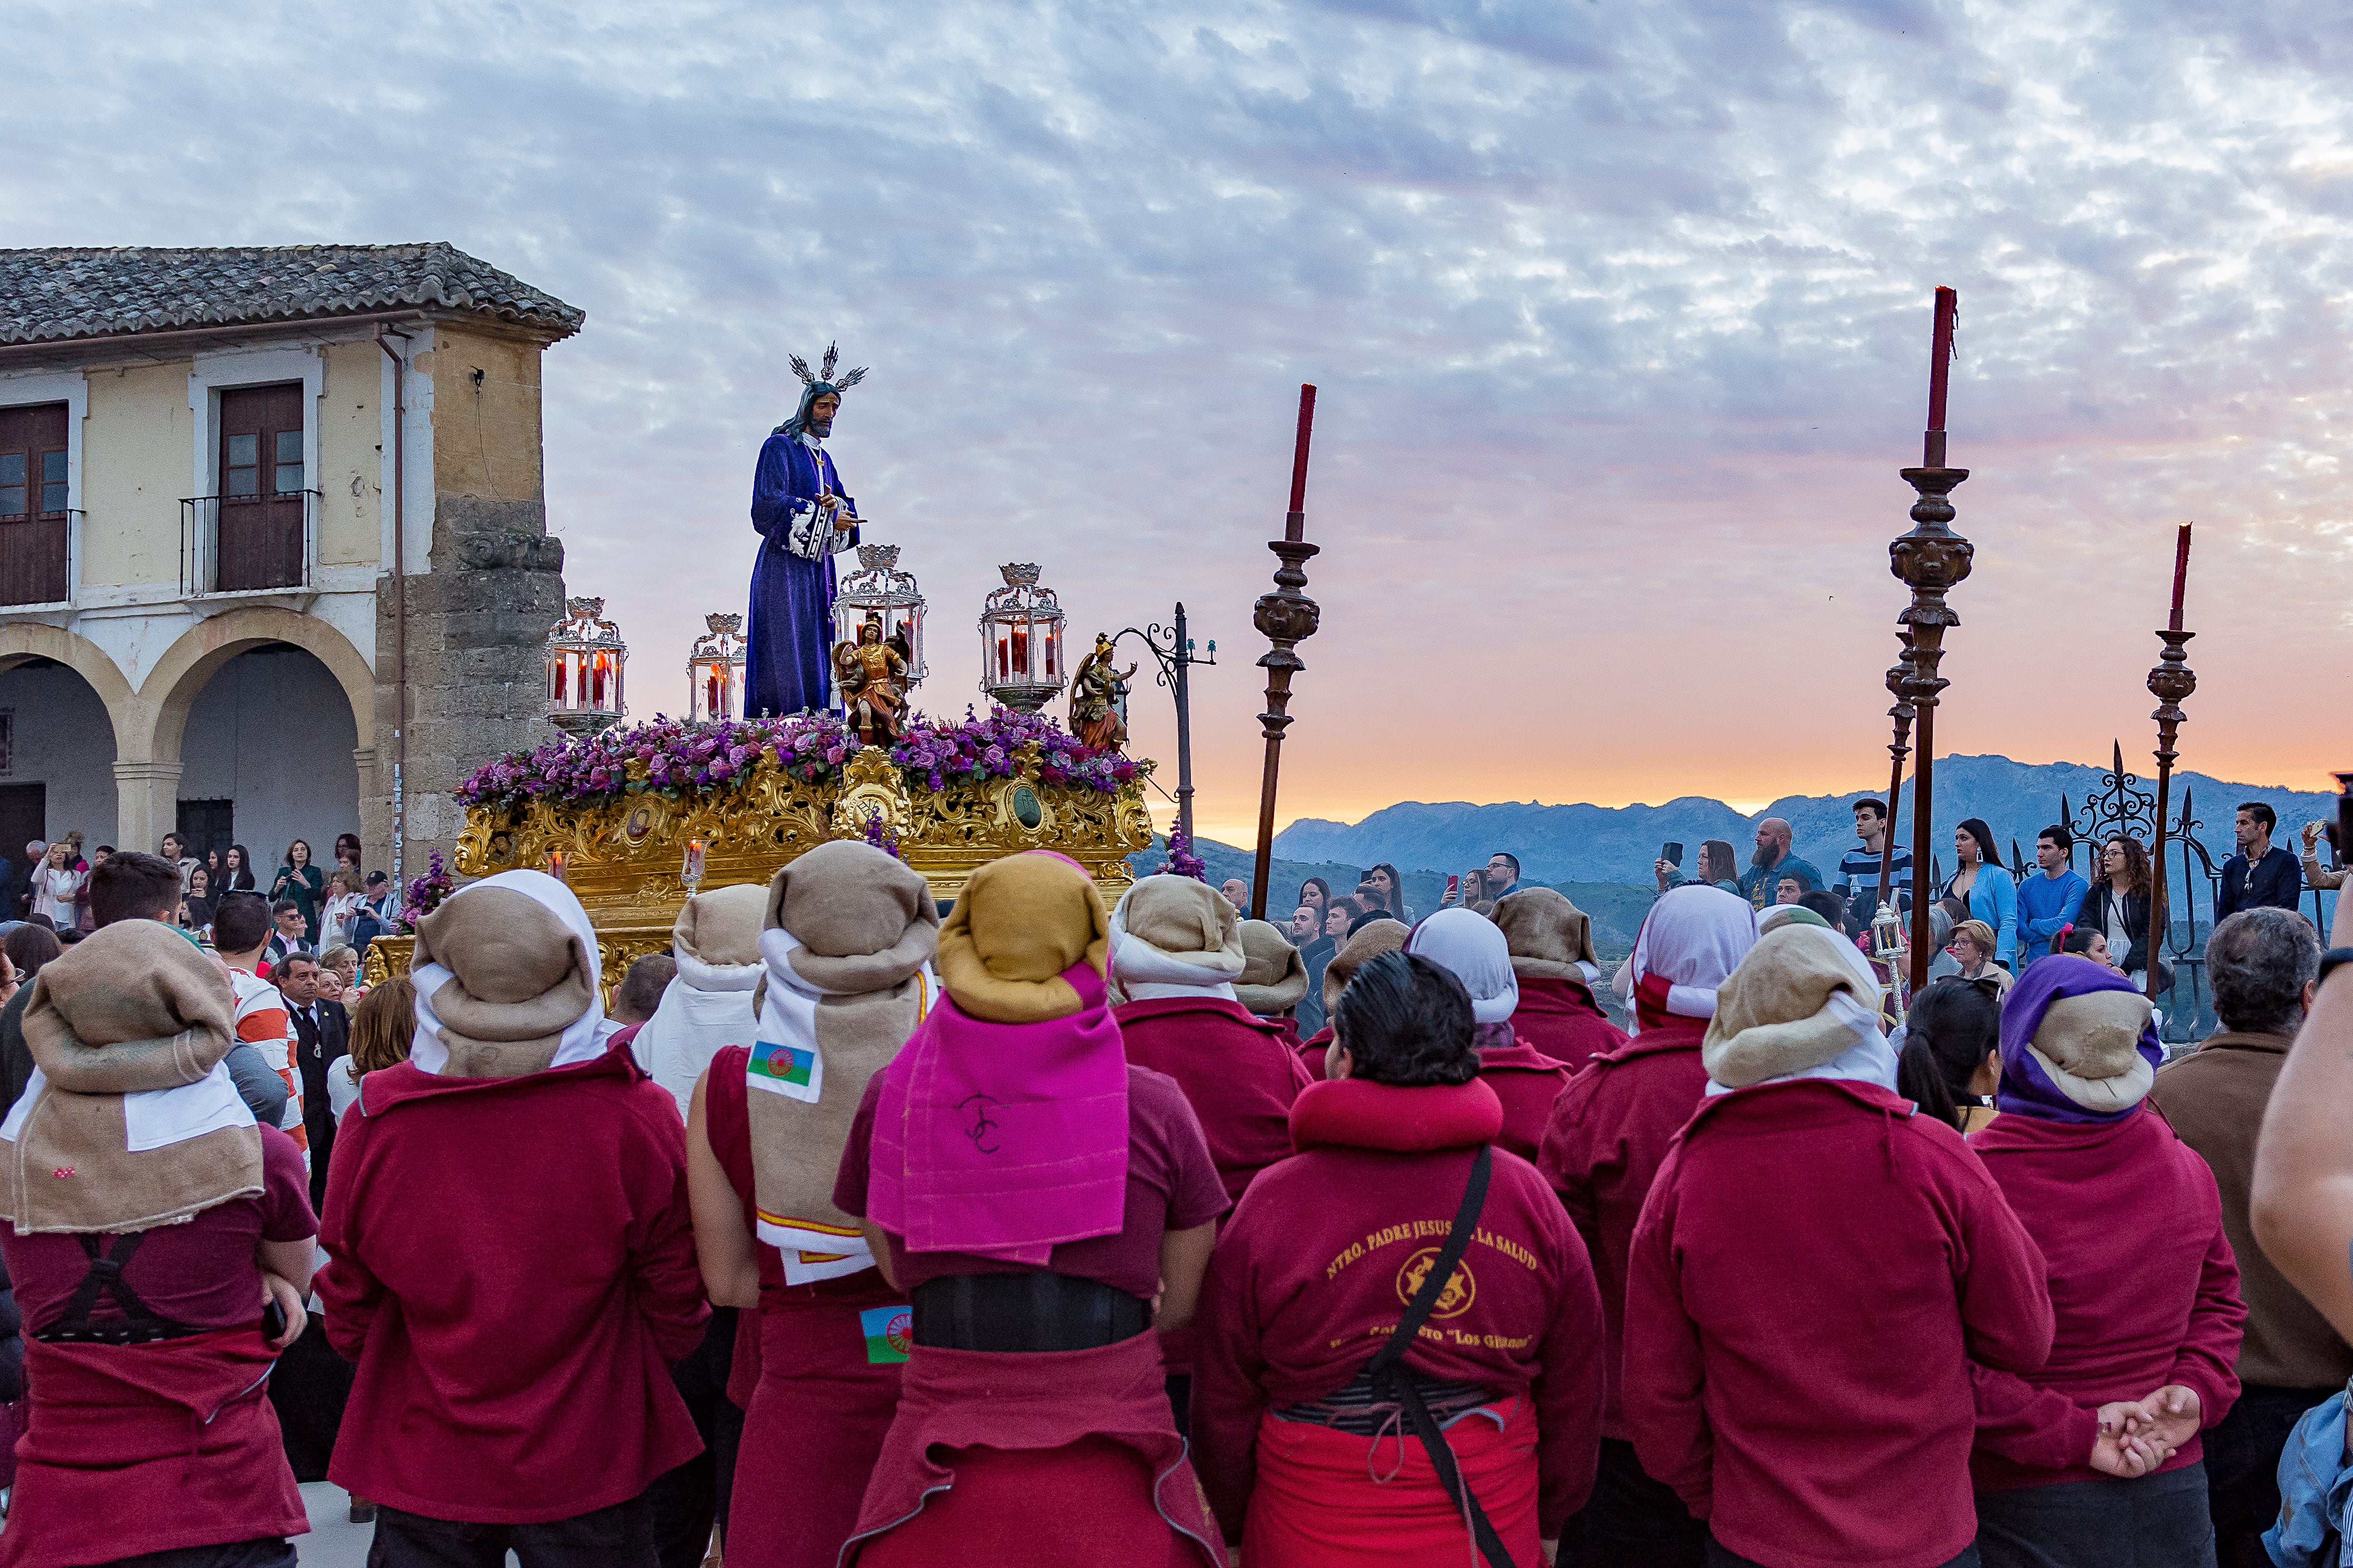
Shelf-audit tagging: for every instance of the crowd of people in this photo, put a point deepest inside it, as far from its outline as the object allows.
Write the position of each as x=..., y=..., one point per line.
x=856, y=1230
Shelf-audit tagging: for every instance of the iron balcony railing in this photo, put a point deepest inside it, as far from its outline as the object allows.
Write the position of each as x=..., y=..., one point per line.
x=269, y=542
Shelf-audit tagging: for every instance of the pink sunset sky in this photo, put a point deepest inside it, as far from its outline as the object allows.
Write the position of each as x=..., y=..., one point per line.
x=1620, y=316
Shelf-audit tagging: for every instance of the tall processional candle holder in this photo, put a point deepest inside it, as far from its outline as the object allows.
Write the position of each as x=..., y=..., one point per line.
x=585, y=657
x=1021, y=663
x=1887, y=947
x=2169, y=683
x=714, y=671
x=1899, y=686
x=878, y=587
x=1286, y=618
x=1930, y=560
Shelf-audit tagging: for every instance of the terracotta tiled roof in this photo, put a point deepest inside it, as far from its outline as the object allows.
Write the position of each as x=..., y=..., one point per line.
x=62, y=294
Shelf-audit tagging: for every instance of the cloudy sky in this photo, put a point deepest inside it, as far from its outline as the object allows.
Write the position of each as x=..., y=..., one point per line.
x=1619, y=313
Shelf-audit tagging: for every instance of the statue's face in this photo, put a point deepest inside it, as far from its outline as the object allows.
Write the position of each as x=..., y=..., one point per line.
x=869, y=634
x=821, y=413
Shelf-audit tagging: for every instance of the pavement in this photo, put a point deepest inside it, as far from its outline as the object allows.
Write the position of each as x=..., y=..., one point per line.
x=334, y=1542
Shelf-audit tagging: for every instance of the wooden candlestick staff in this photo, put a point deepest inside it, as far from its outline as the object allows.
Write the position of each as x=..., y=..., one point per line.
x=2169, y=682
x=1930, y=560
x=1288, y=617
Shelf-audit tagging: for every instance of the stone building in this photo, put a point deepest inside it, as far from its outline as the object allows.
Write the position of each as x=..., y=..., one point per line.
x=257, y=507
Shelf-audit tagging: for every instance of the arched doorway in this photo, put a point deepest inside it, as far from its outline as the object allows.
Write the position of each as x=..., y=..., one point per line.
x=266, y=758
x=56, y=761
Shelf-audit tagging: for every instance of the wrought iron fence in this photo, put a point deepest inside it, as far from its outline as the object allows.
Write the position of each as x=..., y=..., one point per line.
x=200, y=549
x=2121, y=805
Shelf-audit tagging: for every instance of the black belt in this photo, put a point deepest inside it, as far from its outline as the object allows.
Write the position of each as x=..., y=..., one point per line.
x=1028, y=1312
x=139, y=1324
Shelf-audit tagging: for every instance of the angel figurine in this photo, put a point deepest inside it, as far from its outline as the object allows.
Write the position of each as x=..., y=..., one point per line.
x=1098, y=695
x=873, y=672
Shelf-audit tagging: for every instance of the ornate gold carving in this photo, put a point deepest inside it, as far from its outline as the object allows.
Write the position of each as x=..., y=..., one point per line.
x=623, y=858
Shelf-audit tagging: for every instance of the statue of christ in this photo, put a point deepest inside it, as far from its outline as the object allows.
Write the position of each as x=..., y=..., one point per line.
x=804, y=520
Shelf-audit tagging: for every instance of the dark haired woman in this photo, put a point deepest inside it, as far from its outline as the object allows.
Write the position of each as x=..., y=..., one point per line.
x=1392, y=887
x=2117, y=905
x=305, y=884
x=1981, y=880
x=1316, y=893
x=347, y=850
x=1719, y=865
x=237, y=872
x=1302, y=1457
x=196, y=904
x=1952, y=1052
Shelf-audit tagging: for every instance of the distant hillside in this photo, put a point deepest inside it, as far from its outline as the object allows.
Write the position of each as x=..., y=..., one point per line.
x=1617, y=908
x=1604, y=844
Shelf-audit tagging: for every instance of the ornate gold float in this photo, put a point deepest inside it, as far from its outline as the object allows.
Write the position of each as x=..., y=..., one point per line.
x=624, y=858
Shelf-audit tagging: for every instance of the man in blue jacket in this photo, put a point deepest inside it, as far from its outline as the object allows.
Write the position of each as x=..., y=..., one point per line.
x=2048, y=904
x=2259, y=876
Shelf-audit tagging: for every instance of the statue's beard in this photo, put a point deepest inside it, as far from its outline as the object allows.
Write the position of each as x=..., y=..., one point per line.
x=821, y=428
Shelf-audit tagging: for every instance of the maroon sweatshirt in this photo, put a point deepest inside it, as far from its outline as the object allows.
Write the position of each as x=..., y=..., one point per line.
x=512, y=1269
x=1609, y=1130
x=1316, y=1265
x=1815, y=1271
x=1560, y=1018
x=1236, y=1070
x=1527, y=1081
x=2142, y=1280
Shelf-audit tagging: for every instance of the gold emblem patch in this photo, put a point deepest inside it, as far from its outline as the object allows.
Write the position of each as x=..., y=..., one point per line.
x=1452, y=1301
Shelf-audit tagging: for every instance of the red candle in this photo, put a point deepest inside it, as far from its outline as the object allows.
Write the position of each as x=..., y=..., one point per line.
x=2180, y=575
x=1941, y=355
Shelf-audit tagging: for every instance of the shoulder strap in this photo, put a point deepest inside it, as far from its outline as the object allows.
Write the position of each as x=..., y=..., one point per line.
x=1391, y=1382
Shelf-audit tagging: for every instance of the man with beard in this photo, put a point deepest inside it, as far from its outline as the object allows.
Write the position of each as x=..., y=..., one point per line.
x=1761, y=883
x=804, y=521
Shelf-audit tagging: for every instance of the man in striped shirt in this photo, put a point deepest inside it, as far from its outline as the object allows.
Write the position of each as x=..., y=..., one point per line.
x=241, y=930
x=1858, y=873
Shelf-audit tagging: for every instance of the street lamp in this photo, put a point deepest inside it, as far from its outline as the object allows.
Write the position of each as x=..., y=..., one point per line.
x=585, y=660
x=1172, y=651
x=1021, y=641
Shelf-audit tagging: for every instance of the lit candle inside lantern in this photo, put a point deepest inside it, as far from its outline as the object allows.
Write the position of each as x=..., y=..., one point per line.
x=561, y=662
x=555, y=864
x=2181, y=576
x=692, y=872
x=1003, y=662
x=1021, y=652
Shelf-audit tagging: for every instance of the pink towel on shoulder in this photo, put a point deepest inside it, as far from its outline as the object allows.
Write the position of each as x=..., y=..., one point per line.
x=1004, y=1140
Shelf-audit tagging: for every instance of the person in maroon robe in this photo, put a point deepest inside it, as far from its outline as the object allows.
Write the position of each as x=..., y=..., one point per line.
x=1609, y=1131
x=1551, y=942
x=1468, y=945
x=510, y=1258
x=2094, y=1456
x=1816, y=1273
x=161, y=1222
x=1300, y=1449
x=846, y=935
x=1044, y=1203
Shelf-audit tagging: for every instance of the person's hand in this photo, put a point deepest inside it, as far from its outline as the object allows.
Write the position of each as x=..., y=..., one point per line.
x=290, y=1302
x=2171, y=1413
x=2312, y=832
x=1661, y=869
x=2127, y=1458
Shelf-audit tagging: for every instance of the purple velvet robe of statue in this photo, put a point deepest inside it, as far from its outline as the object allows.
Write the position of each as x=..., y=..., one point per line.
x=786, y=659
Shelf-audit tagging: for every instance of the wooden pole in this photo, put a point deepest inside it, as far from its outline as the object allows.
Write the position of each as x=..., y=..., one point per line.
x=1288, y=617
x=1899, y=679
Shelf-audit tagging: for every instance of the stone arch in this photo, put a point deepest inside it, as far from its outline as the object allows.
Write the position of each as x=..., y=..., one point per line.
x=172, y=687
x=86, y=659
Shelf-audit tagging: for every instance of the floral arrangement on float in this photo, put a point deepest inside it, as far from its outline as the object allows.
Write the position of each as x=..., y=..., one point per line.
x=424, y=894
x=675, y=759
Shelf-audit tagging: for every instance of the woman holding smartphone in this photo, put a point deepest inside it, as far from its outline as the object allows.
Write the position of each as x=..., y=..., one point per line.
x=303, y=883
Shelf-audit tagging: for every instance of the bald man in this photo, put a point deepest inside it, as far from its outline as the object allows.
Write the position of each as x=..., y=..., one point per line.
x=1771, y=862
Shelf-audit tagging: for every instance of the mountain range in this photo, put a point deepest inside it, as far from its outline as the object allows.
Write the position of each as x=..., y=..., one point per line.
x=1578, y=844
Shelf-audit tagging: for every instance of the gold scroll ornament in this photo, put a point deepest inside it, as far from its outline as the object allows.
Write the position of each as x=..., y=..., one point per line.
x=623, y=858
